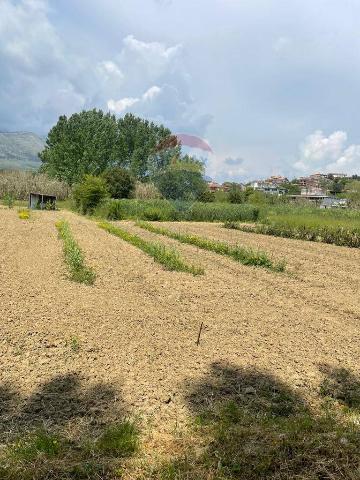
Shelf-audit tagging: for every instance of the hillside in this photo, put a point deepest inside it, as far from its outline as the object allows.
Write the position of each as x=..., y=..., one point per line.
x=19, y=150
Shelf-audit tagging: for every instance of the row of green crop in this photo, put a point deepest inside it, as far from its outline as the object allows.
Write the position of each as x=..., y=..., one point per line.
x=244, y=255
x=74, y=257
x=164, y=210
x=297, y=228
x=168, y=257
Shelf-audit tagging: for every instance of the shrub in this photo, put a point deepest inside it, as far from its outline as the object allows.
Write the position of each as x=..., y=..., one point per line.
x=9, y=200
x=154, y=214
x=206, y=197
x=120, y=182
x=180, y=184
x=114, y=211
x=236, y=195
x=90, y=193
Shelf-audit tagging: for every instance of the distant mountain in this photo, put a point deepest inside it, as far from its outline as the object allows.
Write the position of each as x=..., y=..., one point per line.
x=19, y=151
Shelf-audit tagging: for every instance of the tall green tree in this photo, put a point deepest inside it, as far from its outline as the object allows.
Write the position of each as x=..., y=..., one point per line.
x=90, y=142
x=85, y=143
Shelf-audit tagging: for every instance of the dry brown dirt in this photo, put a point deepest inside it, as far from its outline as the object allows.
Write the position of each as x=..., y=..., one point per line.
x=136, y=328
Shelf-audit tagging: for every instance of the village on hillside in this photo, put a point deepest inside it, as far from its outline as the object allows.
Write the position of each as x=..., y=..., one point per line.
x=324, y=189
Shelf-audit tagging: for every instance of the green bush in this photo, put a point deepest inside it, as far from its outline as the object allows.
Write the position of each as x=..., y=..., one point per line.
x=154, y=214
x=180, y=184
x=236, y=195
x=206, y=197
x=9, y=200
x=120, y=182
x=90, y=193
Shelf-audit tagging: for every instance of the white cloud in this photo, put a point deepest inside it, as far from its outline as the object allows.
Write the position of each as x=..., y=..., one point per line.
x=119, y=106
x=151, y=93
x=110, y=69
x=328, y=154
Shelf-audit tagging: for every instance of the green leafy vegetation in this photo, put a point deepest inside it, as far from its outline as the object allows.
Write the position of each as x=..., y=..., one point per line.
x=182, y=180
x=168, y=257
x=120, y=182
x=91, y=142
x=43, y=454
x=165, y=210
x=344, y=232
x=9, y=200
x=90, y=193
x=74, y=257
x=119, y=440
x=244, y=255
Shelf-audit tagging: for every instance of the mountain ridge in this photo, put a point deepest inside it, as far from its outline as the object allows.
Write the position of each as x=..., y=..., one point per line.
x=19, y=150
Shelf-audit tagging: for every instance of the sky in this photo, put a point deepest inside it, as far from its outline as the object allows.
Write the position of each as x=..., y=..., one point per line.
x=270, y=85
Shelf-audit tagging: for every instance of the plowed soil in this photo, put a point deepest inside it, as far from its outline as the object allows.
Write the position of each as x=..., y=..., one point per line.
x=136, y=328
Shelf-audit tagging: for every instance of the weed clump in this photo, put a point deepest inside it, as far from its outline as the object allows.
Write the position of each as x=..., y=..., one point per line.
x=24, y=214
x=74, y=257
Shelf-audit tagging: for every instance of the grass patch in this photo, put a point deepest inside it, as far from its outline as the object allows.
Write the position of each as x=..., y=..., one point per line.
x=167, y=257
x=74, y=257
x=42, y=455
x=40, y=443
x=24, y=214
x=312, y=228
x=119, y=440
x=249, y=425
x=244, y=255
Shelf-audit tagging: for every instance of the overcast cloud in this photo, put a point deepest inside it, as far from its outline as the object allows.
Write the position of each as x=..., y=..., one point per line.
x=270, y=84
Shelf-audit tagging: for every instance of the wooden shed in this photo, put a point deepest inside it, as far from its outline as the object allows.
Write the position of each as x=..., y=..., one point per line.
x=39, y=201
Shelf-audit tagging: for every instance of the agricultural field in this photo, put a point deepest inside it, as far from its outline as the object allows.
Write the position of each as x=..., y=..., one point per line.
x=190, y=351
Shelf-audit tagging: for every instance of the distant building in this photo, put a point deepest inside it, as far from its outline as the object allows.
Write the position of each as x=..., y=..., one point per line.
x=337, y=175
x=333, y=202
x=277, y=180
x=42, y=202
x=214, y=187
x=313, y=191
x=269, y=188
